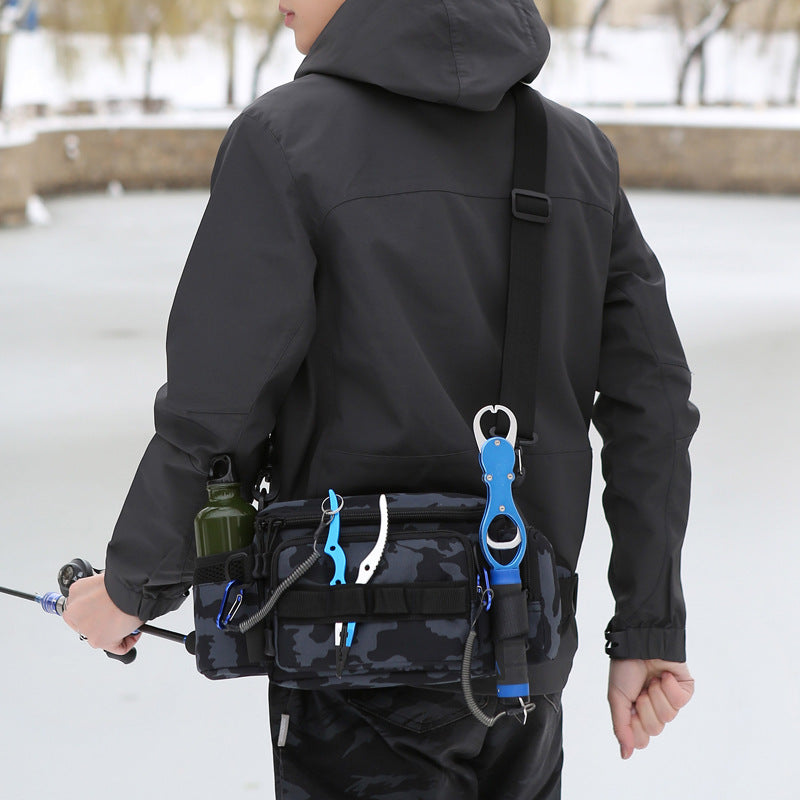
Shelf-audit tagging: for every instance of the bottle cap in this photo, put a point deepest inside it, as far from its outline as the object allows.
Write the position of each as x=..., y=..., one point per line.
x=221, y=471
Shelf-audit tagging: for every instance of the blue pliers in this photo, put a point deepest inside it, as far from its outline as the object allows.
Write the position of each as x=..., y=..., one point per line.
x=334, y=550
x=343, y=638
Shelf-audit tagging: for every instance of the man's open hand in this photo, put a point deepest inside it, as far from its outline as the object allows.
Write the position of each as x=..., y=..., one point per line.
x=644, y=696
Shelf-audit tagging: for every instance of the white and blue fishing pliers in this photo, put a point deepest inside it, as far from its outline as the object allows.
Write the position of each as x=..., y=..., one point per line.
x=343, y=638
x=334, y=550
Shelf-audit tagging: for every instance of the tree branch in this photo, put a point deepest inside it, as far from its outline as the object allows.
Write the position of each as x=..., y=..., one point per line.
x=697, y=38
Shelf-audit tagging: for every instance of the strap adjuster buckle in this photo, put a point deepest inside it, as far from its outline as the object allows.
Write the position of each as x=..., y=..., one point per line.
x=534, y=207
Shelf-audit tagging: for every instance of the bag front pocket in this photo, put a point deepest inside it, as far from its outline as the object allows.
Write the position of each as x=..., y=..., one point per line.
x=412, y=617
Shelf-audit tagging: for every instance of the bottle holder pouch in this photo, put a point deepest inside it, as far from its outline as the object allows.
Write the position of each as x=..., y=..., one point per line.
x=411, y=618
x=219, y=651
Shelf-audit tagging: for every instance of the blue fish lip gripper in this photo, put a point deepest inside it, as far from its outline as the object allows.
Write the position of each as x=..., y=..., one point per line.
x=498, y=459
x=509, y=604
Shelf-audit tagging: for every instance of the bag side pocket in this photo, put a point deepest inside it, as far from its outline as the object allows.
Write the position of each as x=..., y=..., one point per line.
x=544, y=598
x=220, y=653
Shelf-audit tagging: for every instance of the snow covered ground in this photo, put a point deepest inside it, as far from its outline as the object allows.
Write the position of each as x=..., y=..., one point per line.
x=82, y=318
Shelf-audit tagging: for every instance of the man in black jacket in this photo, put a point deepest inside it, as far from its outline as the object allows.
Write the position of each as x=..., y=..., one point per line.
x=346, y=291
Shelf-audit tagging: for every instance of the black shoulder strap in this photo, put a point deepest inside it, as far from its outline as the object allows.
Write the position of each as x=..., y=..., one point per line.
x=530, y=208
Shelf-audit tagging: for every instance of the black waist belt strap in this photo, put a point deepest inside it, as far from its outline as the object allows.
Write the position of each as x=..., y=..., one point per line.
x=359, y=602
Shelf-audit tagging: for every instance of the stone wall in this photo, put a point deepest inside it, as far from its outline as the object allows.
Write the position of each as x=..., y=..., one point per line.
x=706, y=158
x=16, y=180
x=138, y=158
x=86, y=159
x=652, y=155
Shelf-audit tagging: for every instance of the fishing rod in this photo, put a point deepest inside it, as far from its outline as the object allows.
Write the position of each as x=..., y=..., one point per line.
x=56, y=603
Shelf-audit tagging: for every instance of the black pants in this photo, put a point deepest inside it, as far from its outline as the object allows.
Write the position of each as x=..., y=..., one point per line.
x=410, y=744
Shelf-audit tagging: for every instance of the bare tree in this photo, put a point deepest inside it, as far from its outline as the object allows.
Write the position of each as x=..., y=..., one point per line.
x=785, y=15
x=223, y=20
x=12, y=15
x=159, y=20
x=256, y=15
x=695, y=42
x=233, y=17
x=62, y=19
x=559, y=13
x=597, y=12
x=163, y=20
x=794, y=75
x=679, y=14
x=271, y=29
x=769, y=23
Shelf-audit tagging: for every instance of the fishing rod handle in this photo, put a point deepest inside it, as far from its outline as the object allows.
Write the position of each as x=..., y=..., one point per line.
x=125, y=658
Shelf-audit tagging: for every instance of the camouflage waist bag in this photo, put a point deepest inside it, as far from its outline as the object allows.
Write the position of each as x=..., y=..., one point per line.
x=277, y=607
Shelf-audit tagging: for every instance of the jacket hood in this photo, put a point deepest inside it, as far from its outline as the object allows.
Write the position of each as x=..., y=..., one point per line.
x=465, y=53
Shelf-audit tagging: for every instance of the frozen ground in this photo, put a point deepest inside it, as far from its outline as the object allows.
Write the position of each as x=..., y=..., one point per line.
x=82, y=317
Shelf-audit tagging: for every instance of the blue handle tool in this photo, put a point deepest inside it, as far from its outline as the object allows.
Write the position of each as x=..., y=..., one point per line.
x=334, y=550
x=366, y=570
x=332, y=546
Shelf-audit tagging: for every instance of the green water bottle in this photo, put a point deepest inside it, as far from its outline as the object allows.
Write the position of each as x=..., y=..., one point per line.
x=226, y=523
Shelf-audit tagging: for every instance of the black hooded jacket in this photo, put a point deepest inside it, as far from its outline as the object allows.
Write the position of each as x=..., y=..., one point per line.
x=347, y=289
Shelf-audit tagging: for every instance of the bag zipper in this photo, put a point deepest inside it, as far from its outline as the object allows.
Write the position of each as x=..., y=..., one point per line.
x=272, y=525
x=473, y=566
x=456, y=514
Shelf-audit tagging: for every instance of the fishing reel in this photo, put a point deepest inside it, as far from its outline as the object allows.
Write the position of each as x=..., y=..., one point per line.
x=77, y=569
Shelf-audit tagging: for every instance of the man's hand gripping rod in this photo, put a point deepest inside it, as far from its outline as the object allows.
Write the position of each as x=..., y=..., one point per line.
x=56, y=602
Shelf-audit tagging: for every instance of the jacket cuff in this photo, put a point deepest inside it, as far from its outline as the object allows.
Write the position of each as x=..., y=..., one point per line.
x=142, y=603
x=668, y=644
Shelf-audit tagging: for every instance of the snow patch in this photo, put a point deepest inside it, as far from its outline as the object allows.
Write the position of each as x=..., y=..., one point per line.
x=17, y=137
x=115, y=189
x=697, y=117
x=37, y=212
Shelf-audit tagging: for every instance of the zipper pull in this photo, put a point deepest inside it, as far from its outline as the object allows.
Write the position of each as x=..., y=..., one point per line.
x=273, y=525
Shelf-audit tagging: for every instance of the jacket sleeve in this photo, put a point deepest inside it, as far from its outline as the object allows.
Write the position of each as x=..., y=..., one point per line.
x=240, y=326
x=646, y=420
